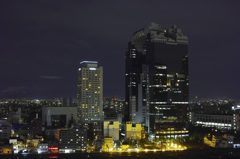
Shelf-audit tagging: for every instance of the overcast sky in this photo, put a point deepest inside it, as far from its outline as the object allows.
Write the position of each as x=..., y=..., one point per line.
x=42, y=43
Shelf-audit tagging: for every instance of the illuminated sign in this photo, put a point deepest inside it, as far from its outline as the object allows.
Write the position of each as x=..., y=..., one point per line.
x=53, y=148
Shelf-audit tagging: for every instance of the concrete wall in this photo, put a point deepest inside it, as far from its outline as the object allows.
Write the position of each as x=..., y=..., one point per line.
x=48, y=111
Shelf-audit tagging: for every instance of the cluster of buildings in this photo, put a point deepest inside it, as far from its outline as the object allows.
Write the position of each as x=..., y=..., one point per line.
x=156, y=81
x=156, y=104
x=156, y=85
x=219, y=116
x=222, y=115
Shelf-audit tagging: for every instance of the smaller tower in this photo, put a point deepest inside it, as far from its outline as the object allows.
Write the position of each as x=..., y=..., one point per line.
x=90, y=92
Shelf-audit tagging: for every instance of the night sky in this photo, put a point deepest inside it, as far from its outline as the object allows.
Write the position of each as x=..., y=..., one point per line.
x=43, y=41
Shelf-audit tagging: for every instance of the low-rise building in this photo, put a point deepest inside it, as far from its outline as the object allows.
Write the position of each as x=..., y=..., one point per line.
x=111, y=129
x=6, y=149
x=107, y=145
x=33, y=143
x=42, y=148
x=133, y=131
x=58, y=117
x=172, y=132
x=72, y=140
x=218, y=121
x=17, y=143
x=210, y=140
x=224, y=141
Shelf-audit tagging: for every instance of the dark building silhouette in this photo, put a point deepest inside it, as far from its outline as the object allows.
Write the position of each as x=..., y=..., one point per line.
x=157, y=78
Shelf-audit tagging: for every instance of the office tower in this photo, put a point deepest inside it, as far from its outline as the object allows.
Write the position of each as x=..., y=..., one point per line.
x=156, y=80
x=90, y=92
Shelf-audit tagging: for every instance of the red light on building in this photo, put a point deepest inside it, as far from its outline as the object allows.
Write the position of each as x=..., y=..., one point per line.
x=53, y=148
x=52, y=156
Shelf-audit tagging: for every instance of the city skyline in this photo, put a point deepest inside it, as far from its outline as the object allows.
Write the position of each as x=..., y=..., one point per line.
x=42, y=43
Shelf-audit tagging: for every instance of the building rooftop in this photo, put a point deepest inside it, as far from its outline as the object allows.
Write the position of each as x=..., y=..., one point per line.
x=88, y=62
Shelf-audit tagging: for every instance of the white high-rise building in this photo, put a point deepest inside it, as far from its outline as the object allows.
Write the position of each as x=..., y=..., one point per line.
x=90, y=92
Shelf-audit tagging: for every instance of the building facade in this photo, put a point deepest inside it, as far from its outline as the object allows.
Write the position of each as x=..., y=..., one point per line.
x=95, y=131
x=134, y=131
x=90, y=92
x=111, y=129
x=156, y=79
x=58, y=117
x=42, y=148
x=5, y=129
x=221, y=122
x=72, y=140
x=115, y=104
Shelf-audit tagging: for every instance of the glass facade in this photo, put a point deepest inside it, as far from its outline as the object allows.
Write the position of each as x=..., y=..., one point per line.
x=157, y=77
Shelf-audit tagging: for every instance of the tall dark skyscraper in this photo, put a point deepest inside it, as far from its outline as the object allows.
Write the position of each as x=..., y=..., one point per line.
x=156, y=79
